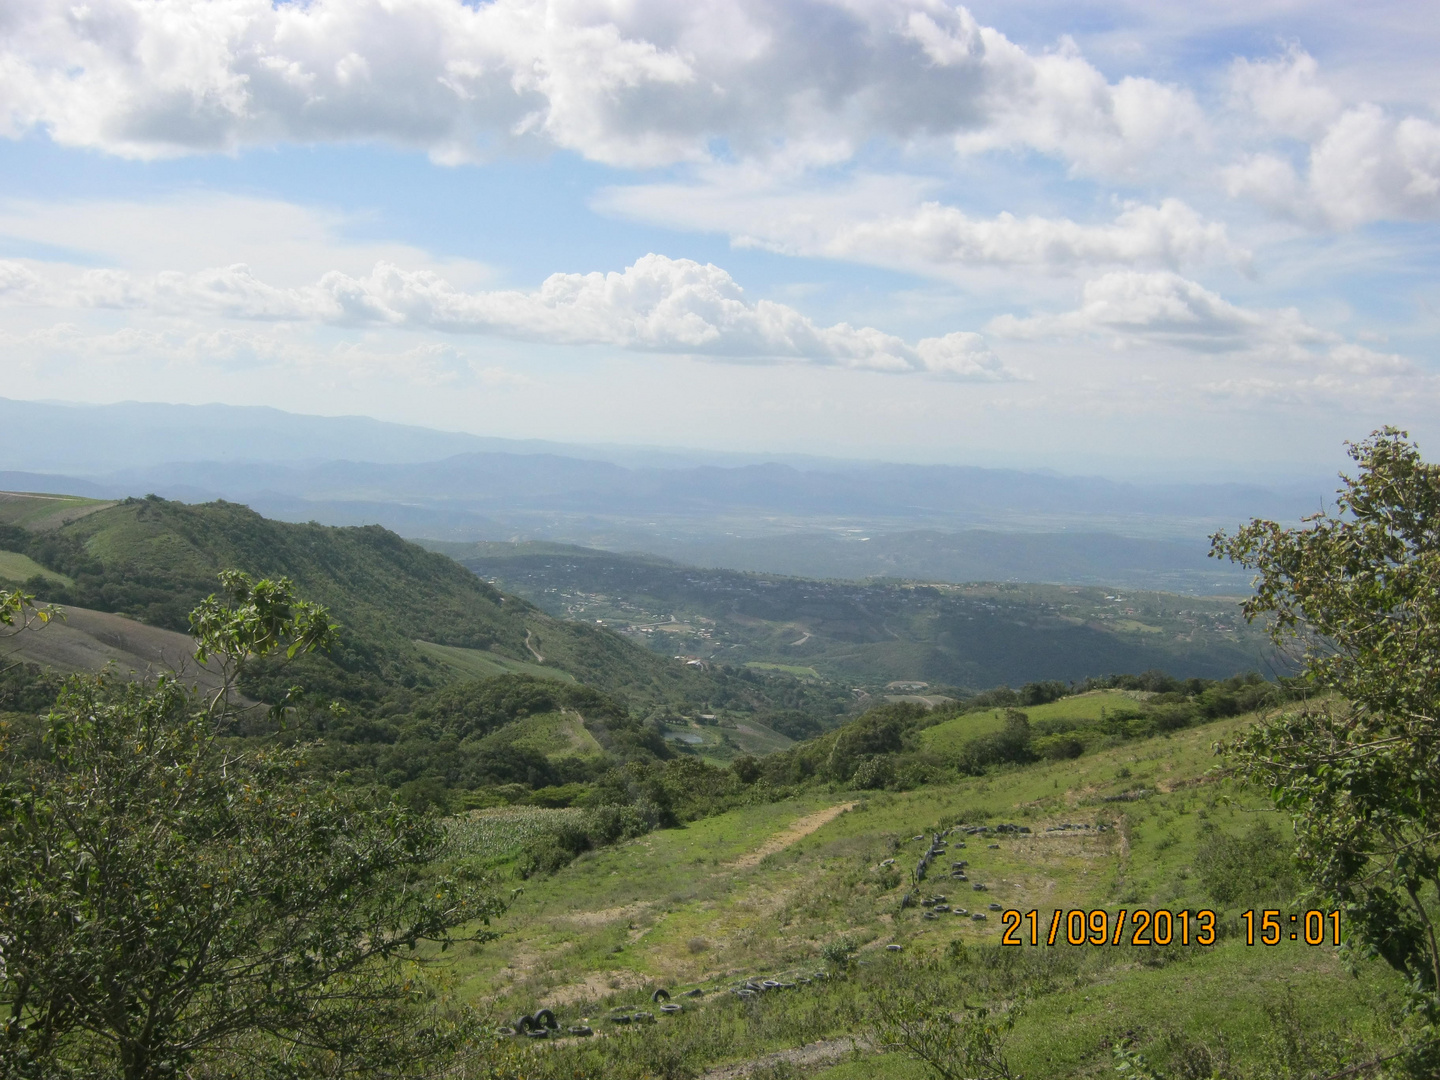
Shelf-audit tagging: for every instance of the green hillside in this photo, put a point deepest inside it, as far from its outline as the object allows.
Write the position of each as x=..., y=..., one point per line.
x=782, y=890
x=39, y=511
x=411, y=618
x=871, y=633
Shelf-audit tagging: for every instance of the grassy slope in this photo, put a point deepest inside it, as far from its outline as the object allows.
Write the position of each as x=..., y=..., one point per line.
x=17, y=569
x=948, y=737
x=482, y=663
x=37, y=510
x=672, y=909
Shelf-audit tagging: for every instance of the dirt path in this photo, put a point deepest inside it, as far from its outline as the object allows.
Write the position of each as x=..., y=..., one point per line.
x=823, y=1052
x=797, y=831
x=533, y=651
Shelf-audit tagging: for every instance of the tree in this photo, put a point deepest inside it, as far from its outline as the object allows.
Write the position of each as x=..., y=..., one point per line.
x=259, y=618
x=1356, y=592
x=170, y=906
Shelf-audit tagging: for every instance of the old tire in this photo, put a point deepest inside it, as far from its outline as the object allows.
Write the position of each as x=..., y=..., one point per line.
x=546, y=1017
x=660, y=995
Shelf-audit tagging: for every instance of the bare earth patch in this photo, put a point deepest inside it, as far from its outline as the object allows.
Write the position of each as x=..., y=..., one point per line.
x=797, y=831
x=596, y=985
x=606, y=915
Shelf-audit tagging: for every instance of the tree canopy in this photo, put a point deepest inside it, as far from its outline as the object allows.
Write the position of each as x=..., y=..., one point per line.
x=169, y=903
x=1356, y=592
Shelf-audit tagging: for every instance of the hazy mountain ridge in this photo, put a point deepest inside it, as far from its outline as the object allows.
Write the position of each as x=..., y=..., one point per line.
x=815, y=517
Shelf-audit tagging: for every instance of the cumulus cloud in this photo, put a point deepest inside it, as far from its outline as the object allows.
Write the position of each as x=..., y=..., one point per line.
x=931, y=237
x=17, y=279
x=1163, y=308
x=657, y=304
x=638, y=84
x=1363, y=163
x=1285, y=93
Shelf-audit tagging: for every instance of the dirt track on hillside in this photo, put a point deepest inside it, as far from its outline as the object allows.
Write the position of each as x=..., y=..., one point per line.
x=796, y=831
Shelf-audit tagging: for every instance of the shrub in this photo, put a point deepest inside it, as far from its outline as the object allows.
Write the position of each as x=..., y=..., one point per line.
x=1245, y=869
x=1011, y=745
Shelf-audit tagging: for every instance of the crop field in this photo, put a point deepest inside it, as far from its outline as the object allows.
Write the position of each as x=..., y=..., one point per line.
x=496, y=834
x=760, y=892
x=790, y=669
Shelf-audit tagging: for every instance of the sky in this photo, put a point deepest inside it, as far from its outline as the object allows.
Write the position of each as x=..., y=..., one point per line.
x=1136, y=238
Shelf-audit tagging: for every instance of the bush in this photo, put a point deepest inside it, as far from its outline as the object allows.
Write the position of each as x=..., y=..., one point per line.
x=877, y=771
x=1008, y=746
x=1059, y=747
x=1245, y=869
x=1042, y=693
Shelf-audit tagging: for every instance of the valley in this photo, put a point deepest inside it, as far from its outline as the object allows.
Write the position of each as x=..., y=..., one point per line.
x=866, y=635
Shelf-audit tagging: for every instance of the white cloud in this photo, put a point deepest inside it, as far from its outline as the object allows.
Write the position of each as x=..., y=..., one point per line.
x=637, y=84
x=928, y=238
x=1285, y=94
x=17, y=279
x=1364, y=163
x=658, y=304
x=286, y=242
x=1162, y=308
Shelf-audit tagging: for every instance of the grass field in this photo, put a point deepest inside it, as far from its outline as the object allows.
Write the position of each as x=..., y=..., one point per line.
x=789, y=669
x=685, y=908
x=481, y=663
x=552, y=734
x=18, y=568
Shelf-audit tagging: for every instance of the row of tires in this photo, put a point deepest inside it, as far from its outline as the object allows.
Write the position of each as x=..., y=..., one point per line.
x=543, y=1025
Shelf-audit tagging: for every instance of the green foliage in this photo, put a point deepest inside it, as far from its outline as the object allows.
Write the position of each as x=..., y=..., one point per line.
x=1009, y=746
x=27, y=688
x=1357, y=591
x=168, y=905
x=839, y=953
x=1247, y=869
x=924, y=1017
x=19, y=611
x=255, y=619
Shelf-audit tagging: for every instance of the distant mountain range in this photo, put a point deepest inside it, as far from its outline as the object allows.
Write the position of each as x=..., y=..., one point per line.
x=811, y=516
